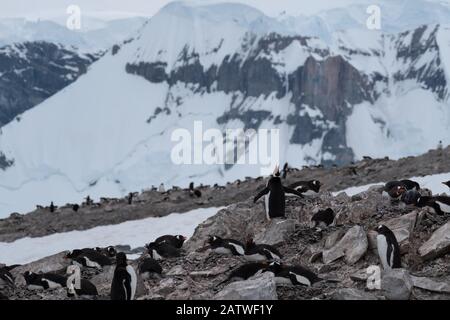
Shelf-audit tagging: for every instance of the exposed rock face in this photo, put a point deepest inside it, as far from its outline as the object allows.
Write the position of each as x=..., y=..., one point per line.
x=261, y=287
x=397, y=284
x=352, y=246
x=438, y=244
x=33, y=71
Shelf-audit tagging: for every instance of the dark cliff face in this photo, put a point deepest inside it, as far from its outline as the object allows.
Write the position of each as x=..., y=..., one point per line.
x=331, y=85
x=33, y=71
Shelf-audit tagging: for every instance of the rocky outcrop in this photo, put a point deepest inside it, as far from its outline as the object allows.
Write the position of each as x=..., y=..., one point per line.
x=438, y=244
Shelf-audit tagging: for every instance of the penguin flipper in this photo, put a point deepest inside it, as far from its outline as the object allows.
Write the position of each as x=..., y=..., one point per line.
x=262, y=193
x=292, y=191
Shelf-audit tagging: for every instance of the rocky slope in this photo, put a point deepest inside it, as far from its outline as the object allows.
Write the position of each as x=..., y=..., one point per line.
x=341, y=253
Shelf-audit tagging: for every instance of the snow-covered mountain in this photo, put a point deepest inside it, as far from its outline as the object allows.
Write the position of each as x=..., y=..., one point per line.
x=356, y=92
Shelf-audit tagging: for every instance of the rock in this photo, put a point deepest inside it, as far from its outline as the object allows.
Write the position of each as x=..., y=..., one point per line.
x=333, y=238
x=261, y=287
x=438, y=244
x=103, y=280
x=396, y=284
x=402, y=227
x=360, y=276
x=352, y=294
x=176, y=271
x=353, y=246
x=276, y=232
x=431, y=285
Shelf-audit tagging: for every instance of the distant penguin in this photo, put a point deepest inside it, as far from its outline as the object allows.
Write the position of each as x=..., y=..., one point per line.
x=45, y=281
x=296, y=275
x=440, y=204
x=275, y=199
x=396, y=192
x=394, y=185
x=6, y=278
x=307, y=188
x=161, y=188
x=77, y=287
x=52, y=207
x=261, y=252
x=176, y=241
x=198, y=193
x=323, y=218
x=447, y=183
x=163, y=250
x=130, y=198
x=88, y=200
x=75, y=207
x=226, y=246
x=149, y=266
x=92, y=259
x=388, y=248
x=245, y=271
x=124, y=282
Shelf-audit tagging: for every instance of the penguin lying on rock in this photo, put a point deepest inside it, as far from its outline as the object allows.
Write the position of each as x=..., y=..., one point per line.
x=39, y=281
x=307, y=188
x=440, y=204
x=395, y=188
x=175, y=241
x=295, y=275
x=261, y=252
x=162, y=250
x=90, y=259
x=275, y=199
x=226, y=246
x=108, y=251
x=323, y=218
x=6, y=278
x=245, y=271
x=148, y=267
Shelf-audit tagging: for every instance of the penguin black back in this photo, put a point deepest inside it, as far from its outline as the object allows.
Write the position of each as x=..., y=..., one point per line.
x=123, y=286
x=261, y=252
x=245, y=271
x=176, y=241
x=149, y=265
x=226, y=246
x=162, y=250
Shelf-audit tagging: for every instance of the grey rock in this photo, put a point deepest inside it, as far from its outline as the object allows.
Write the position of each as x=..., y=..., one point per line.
x=261, y=287
x=352, y=294
x=352, y=246
x=431, y=285
x=396, y=284
x=438, y=244
x=276, y=232
x=333, y=238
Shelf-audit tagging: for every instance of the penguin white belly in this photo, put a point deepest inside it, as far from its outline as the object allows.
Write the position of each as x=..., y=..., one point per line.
x=256, y=257
x=444, y=207
x=382, y=246
x=238, y=248
x=51, y=284
x=273, y=255
x=310, y=193
x=133, y=284
x=301, y=279
x=156, y=255
x=34, y=287
x=266, y=203
x=222, y=250
x=92, y=264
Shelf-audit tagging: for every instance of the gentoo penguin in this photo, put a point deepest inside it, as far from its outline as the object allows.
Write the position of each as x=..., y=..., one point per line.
x=175, y=241
x=6, y=278
x=245, y=271
x=76, y=252
x=261, y=252
x=447, y=183
x=124, y=282
x=396, y=192
x=410, y=197
x=92, y=259
x=323, y=218
x=296, y=275
x=130, y=198
x=39, y=281
x=75, y=207
x=52, y=207
x=149, y=266
x=161, y=188
x=275, y=199
x=76, y=286
x=307, y=188
x=159, y=251
x=388, y=248
x=285, y=170
x=108, y=251
x=440, y=204
x=226, y=246
x=407, y=184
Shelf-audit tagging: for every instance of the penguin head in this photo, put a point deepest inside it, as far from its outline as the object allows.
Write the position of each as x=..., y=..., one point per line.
x=112, y=252
x=72, y=254
x=276, y=171
x=181, y=238
x=29, y=276
x=274, y=267
x=382, y=229
x=214, y=239
x=121, y=259
x=315, y=185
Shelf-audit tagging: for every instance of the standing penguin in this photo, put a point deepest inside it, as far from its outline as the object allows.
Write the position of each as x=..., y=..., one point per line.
x=275, y=199
x=388, y=248
x=52, y=207
x=285, y=170
x=130, y=198
x=124, y=282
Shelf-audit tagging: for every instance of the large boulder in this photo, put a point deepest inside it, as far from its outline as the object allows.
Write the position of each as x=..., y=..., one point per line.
x=403, y=227
x=438, y=244
x=352, y=247
x=431, y=285
x=261, y=287
x=396, y=284
x=276, y=232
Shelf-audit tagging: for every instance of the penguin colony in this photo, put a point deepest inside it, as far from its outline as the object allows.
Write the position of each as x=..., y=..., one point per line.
x=260, y=257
